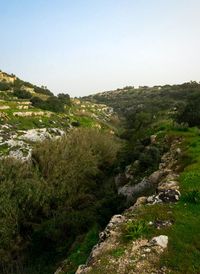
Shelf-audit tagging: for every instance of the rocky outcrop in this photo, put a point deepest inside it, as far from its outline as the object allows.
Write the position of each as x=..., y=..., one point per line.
x=18, y=143
x=132, y=192
x=7, y=78
x=31, y=113
x=163, y=179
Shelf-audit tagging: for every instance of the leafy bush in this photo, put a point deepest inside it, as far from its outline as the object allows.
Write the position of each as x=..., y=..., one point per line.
x=49, y=201
x=37, y=102
x=22, y=94
x=4, y=86
x=52, y=103
x=190, y=114
x=64, y=98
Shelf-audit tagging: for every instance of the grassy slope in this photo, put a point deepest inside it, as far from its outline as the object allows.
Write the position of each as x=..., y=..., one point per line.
x=184, y=248
x=183, y=251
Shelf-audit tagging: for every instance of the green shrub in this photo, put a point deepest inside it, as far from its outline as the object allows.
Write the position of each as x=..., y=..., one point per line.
x=51, y=104
x=54, y=198
x=4, y=86
x=64, y=98
x=190, y=114
x=22, y=94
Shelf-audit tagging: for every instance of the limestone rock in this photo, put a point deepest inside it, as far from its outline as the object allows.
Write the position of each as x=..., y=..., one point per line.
x=155, y=177
x=133, y=192
x=161, y=241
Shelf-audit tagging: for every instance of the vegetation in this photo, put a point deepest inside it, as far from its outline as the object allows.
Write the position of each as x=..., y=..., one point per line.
x=22, y=94
x=52, y=103
x=59, y=195
x=53, y=206
x=134, y=230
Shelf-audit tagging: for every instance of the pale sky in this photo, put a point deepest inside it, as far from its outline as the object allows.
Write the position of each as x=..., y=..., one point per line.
x=86, y=46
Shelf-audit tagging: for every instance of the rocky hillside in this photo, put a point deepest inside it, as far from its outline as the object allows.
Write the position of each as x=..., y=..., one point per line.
x=22, y=123
x=131, y=243
x=86, y=167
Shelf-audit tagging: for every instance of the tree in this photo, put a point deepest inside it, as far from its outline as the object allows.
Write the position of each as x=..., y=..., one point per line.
x=190, y=114
x=65, y=98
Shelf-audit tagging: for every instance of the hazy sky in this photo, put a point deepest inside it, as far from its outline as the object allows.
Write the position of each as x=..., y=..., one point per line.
x=85, y=46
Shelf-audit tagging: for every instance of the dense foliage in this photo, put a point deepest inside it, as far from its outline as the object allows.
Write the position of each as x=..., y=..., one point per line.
x=62, y=193
x=143, y=105
x=22, y=94
x=190, y=113
x=52, y=103
x=53, y=206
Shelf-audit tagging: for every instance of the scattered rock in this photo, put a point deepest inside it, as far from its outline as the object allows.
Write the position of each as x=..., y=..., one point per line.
x=153, y=139
x=170, y=195
x=161, y=241
x=160, y=224
x=168, y=185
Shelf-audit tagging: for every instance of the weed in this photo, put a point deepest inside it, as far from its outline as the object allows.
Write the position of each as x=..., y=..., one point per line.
x=135, y=230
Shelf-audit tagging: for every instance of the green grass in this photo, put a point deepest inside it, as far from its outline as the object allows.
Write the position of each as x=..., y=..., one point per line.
x=183, y=255
x=118, y=252
x=85, y=121
x=135, y=229
x=4, y=149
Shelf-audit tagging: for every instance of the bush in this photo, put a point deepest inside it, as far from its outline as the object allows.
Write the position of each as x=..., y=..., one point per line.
x=37, y=102
x=190, y=114
x=54, y=104
x=22, y=94
x=51, y=104
x=49, y=201
x=64, y=98
x=4, y=86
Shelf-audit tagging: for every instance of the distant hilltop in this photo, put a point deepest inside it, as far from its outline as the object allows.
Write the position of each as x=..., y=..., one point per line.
x=5, y=77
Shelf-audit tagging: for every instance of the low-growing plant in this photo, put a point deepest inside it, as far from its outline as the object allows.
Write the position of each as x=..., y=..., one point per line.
x=118, y=252
x=135, y=229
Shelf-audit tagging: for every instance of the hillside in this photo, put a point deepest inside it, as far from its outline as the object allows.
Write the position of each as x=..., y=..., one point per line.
x=54, y=153
x=107, y=183
x=158, y=233
x=25, y=120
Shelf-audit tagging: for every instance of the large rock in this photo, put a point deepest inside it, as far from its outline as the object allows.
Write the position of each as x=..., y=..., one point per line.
x=161, y=241
x=155, y=177
x=132, y=192
x=36, y=135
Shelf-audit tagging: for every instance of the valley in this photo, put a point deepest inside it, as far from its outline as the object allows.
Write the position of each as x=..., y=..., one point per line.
x=107, y=183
